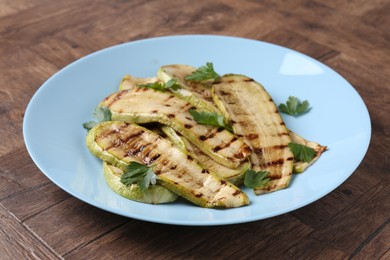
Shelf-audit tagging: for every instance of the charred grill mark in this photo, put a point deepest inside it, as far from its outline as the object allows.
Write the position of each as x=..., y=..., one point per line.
x=217, y=148
x=170, y=96
x=282, y=123
x=171, y=115
x=272, y=163
x=189, y=118
x=185, y=106
x=202, y=138
x=223, y=182
x=154, y=111
x=258, y=150
x=205, y=171
x=270, y=99
x=167, y=105
x=290, y=159
x=248, y=80
x=134, y=150
x=116, y=97
x=157, y=171
x=224, y=93
x=154, y=158
x=198, y=195
x=137, y=150
x=220, y=129
x=173, y=167
x=236, y=192
x=211, y=135
x=277, y=147
x=252, y=137
x=189, y=158
x=188, y=126
x=126, y=140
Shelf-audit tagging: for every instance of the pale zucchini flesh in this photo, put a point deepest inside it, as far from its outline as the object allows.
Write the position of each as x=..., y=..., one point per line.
x=144, y=105
x=177, y=171
x=257, y=121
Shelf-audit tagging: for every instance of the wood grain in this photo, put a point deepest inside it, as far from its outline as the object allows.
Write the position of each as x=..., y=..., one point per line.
x=39, y=220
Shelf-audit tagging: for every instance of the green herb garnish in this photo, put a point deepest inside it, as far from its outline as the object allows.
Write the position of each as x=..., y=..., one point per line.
x=140, y=174
x=161, y=86
x=210, y=118
x=204, y=73
x=301, y=152
x=101, y=114
x=294, y=106
x=255, y=179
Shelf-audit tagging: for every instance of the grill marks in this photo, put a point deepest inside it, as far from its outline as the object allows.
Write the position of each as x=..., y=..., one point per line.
x=259, y=124
x=114, y=98
x=215, y=142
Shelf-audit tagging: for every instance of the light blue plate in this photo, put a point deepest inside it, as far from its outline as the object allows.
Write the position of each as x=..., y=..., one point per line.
x=54, y=135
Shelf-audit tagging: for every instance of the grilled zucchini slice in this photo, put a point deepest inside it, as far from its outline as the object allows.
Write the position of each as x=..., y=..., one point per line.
x=118, y=142
x=144, y=105
x=234, y=175
x=129, y=81
x=300, y=167
x=256, y=119
x=198, y=94
x=155, y=194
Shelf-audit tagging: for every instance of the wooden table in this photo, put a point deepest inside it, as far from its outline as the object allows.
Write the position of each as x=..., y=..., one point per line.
x=39, y=220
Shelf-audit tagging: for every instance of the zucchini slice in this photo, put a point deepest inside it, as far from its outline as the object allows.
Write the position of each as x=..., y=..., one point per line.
x=118, y=142
x=155, y=194
x=196, y=93
x=129, y=81
x=256, y=119
x=234, y=175
x=144, y=105
x=300, y=167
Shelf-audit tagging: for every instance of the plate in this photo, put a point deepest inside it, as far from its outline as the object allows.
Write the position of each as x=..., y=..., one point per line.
x=339, y=119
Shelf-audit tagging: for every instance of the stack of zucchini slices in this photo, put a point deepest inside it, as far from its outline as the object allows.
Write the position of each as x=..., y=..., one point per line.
x=194, y=134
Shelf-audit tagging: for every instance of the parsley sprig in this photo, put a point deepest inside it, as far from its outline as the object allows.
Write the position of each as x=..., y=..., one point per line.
x=101, y=114
x=140, y=174
x=203, y=73
x=294, y=106
x=255, y=179
x=210, y=118
x=301, y=152
x=161, y=86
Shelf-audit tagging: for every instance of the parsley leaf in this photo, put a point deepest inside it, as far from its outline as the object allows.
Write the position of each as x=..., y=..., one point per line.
x=140, y=174
x=204, y=73
x=301, y=152
x=294, y=106
x=102, y=114
x=161, y=86
x=210, y=118
x=255, y=179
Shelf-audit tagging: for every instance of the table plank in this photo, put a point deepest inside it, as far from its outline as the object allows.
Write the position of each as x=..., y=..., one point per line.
x=18, y=242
